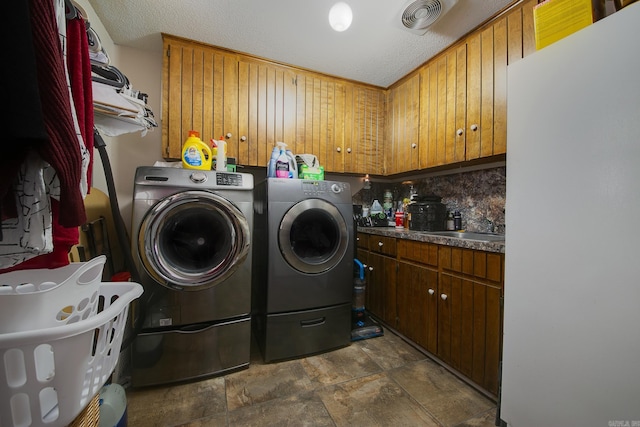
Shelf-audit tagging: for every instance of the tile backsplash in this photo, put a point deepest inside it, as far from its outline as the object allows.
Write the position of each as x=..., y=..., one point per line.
x=478, y=195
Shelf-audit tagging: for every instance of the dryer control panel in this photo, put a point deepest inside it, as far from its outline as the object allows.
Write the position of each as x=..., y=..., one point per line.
x=319, y=188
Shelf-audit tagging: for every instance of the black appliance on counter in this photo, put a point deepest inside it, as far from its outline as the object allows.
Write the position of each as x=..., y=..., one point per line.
x=427, y=213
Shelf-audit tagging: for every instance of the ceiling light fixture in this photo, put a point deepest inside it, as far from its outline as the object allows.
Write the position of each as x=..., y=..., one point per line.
x=340, y=16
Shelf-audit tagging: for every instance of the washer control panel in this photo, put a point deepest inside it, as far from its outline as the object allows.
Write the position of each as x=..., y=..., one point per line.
x=230, y=179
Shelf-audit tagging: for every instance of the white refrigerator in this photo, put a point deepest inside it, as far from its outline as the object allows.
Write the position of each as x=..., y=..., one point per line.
x=571, y=354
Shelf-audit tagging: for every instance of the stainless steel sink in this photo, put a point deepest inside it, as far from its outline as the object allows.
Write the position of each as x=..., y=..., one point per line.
x=483, y=237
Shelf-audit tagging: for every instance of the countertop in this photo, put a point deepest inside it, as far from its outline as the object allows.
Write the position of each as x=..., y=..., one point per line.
x=425, y=236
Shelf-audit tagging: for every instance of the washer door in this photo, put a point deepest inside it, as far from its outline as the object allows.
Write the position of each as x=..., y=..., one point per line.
x=313, y=236
x=193, y=240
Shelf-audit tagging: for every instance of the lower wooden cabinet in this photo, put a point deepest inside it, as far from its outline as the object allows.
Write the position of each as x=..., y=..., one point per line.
x=470, y=329
x=381, y=287
x=470, y=313
x=417, y=302
x=447, y=300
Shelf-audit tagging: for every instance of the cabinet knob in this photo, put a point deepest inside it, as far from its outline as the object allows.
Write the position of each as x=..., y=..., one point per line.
x=243, y=138
x=349, y=150
x=413, y=145
x=338, y=149
x=443, y=296
x=370, y=268
x=228, y=135
x=474, y=127
x=459, y=132
x=431, y=291
x=380, y=244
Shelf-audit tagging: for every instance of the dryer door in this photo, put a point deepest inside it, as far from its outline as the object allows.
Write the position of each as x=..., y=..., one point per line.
x=193, y=240
x=313, y=236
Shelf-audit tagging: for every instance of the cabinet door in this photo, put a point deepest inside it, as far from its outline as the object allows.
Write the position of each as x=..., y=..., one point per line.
x=455, y=121
x=403, y=125
x=320, y=119
x=443, y=109
x=470, y=313
x=200, y=92
x=428, y=139
x=266, y=110
x=486, y=95
x=417, y=299
x=364, y=123
x=382, y=288
x=417, y=292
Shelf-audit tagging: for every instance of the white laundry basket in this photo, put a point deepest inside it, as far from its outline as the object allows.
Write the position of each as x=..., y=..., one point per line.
x=49, y=375
x=42, y=298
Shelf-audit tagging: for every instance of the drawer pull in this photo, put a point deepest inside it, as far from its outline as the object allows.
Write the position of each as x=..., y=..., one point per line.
x=380, y=244
x=313, y=322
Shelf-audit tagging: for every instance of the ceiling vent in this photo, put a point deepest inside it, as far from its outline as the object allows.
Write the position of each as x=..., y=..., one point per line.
x=418, y=15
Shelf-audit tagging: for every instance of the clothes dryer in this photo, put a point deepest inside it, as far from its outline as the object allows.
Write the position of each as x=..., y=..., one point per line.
x=303, y=266
x=191, y=242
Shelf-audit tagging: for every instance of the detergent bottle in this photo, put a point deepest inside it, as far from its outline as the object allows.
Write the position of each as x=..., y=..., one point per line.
x=282, y=165
x=195, y=153
x=275, y=154
x=293, y=165
x=221, y=155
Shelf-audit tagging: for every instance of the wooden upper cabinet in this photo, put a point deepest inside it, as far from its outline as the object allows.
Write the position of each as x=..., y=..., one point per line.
x=266, y=110
x=320, y=120
x=451, y=110
x=200, y=92
x=254, y=103
x=364, y=124
x=403, y=127
x=489, y=52
x=486, y=131
x=442, y=101
x=456, y=104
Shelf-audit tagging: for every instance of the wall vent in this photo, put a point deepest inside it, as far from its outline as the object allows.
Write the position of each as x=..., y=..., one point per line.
x=418, y=15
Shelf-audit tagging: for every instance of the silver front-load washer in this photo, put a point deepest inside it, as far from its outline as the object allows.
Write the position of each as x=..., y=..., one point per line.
x=191, y=243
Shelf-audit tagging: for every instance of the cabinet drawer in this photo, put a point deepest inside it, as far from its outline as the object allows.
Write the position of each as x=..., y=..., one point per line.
x=189, y=352
x=307, y=332
x=382, y=245
x=419, y=252
x=481, y=265
x=362, y=240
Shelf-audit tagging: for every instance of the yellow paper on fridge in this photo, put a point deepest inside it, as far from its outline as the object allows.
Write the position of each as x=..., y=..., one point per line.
x=556, y=19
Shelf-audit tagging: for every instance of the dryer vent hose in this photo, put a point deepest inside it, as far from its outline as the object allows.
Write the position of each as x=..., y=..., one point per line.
x=123, y=237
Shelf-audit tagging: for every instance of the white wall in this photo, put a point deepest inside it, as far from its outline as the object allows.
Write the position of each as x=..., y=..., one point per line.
x=127, y=152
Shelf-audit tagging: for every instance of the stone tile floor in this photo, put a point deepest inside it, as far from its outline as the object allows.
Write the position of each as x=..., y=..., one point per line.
x=376, y=382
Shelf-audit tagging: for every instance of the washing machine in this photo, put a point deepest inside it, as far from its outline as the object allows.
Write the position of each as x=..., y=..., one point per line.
x=303, y=266
x=191, y=243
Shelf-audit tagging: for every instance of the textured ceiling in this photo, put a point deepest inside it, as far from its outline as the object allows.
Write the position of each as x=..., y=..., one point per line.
x=374, y=50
